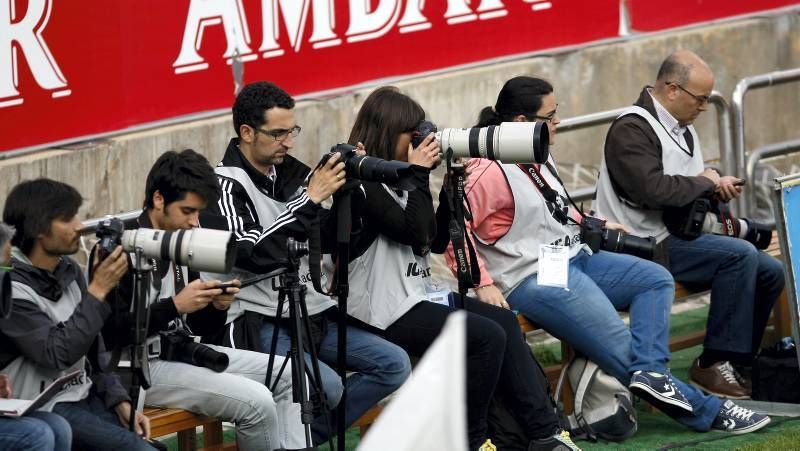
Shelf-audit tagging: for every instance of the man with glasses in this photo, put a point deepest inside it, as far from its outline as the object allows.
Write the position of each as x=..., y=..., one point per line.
x=652, y=167
x=267, y=197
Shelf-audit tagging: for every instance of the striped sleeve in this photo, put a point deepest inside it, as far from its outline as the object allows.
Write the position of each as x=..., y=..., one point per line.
x=261, y=246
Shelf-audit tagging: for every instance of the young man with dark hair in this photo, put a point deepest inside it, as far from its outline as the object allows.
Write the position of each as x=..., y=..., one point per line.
x=179, y=186
x=53, y=327
x=267, y=197
x=37, y=430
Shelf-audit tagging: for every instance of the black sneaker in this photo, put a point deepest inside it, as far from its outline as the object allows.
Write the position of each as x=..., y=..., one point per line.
x=560, y=441
x=659, y=389
x=738, y=420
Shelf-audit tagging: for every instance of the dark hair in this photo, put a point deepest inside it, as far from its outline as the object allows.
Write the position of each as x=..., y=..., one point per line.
x=674, y=70
x=520, y=95
x=254, y=100
x=32, y=206
x=385, y=114
x=176, y=174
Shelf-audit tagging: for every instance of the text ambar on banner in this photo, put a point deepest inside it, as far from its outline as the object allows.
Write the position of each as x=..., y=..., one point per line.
x=68, y=71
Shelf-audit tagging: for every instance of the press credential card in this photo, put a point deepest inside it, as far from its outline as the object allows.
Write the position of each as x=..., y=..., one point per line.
x=553, y=266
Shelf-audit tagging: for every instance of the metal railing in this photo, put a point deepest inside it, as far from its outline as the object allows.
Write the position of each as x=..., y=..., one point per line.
x=770, y=150
x=737, y=111
x=726, y=154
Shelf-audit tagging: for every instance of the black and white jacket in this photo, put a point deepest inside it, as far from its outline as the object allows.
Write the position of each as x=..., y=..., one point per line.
x=262, y=214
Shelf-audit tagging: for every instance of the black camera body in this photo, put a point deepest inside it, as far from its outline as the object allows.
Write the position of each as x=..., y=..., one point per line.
x=178, y=345
x=422, y=131
x=109, y=232
x=397, y=174
x=705, y=215
x=595, y=234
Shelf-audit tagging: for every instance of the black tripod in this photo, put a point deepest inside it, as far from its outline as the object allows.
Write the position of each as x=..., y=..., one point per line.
x=289, y=287
x=140, y=365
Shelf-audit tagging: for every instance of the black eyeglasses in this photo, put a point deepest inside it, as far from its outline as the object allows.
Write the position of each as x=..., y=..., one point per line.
x=700, y=99
x=280, y=134
x=550, y=117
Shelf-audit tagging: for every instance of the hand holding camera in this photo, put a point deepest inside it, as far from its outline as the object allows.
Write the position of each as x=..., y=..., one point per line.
x=107, y=272
x=426, y=154
x=327, y=179
x=198, y=293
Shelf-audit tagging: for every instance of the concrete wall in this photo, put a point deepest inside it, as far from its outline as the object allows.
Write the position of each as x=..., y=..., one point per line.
x=111, y=173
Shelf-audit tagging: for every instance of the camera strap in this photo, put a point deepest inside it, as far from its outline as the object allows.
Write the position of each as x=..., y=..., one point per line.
x=315, y=258
x=180, y=281
x=730, y=225
x=550, y=195
x=468, y=271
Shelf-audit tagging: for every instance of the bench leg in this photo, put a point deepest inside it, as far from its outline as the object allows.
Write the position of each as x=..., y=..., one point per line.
x=187, y=440
x=212, y=434
x=567, y=354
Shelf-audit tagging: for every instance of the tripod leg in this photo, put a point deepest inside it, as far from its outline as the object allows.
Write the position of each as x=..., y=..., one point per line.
x=315, y=372
x=297, y=356
x=274, y=348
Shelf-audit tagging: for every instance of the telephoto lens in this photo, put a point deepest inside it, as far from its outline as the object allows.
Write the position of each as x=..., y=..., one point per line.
x=509, y=142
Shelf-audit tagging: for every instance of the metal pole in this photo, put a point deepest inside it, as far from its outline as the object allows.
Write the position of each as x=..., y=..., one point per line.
x=771, y=150
x=737, y=111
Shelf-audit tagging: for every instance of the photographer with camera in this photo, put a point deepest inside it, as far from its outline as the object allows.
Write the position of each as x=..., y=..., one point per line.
x=37, y=430
x=390, y=280
x=267, y=197
x=211, y=380
x=534, y=259
x=54, y=326
x=652, y=167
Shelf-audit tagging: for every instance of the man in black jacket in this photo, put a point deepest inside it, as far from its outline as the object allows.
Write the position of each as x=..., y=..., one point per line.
x=55, y=322
x=267, y=197
x=178, y=188
x=653, y=164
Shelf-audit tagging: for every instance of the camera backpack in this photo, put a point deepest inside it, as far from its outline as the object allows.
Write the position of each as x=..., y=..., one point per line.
x=602, y=406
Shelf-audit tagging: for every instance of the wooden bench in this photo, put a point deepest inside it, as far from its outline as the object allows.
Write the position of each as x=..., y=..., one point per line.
x=168, y=421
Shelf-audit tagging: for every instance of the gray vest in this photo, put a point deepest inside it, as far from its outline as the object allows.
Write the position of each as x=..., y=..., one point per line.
x=261, y=297
x=30, y=379
x=515, y=256
x=644, y=222
x=387, y=280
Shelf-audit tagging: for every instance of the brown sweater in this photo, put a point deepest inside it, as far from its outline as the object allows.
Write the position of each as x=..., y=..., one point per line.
x=633, y=157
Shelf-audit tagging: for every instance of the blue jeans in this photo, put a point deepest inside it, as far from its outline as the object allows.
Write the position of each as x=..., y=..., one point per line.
x=744, y=282
x=38, y=431
x=379, y=367
x=585, y=316
x=94, y=427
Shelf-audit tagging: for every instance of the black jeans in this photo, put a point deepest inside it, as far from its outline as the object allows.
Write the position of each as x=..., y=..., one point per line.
x=496, y=351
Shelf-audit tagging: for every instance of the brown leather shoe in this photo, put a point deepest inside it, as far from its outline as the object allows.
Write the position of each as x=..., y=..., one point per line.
x=719, y=379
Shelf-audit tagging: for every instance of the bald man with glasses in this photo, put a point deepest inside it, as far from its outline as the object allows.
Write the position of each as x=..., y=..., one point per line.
x=652, y=170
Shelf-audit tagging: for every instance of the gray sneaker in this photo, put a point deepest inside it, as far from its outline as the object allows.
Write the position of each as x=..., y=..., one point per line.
x=738, y=420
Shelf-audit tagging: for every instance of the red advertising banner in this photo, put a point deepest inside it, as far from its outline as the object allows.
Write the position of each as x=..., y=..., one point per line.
x=71, y=69
x=649, y=15
x=76, y=69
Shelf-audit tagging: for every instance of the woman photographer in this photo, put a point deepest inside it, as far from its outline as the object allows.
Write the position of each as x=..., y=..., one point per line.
x=515, y=220
x=390, y=281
